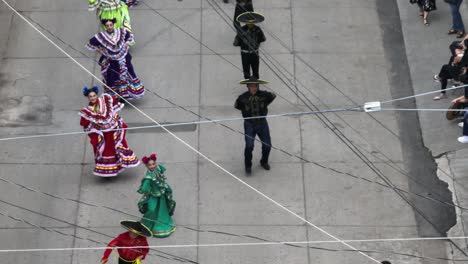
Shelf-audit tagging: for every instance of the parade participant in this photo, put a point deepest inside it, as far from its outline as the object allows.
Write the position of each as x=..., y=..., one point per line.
x=241, y=7
x=254, y=103
x=156, y=205
x=135, y=237
x=249, y=38
x=116, y=62
x=110, y=9
x=102, y=120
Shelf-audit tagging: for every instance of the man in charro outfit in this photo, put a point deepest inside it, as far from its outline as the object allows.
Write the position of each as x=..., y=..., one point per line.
x=135, y=237
x=248, y=39
x=254, y=103
x=242, y=6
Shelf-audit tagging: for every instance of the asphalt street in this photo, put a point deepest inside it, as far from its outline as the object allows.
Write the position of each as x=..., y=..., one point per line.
x=353, y=175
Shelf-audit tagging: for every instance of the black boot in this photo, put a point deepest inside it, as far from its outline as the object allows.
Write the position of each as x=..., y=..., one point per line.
x=248, y=170
x=265, y=165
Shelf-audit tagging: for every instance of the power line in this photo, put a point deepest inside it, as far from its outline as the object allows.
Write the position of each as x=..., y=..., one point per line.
x=317, y=164
x=185, y=123
x=17, y=219
x=279, y=149
x=410, y=239
x=424, y=109
x=87, y=229
x=181, y=259
x=429, y=198
x=341, y=136
x=393, y=165
x=195, y=150
x=422, y=94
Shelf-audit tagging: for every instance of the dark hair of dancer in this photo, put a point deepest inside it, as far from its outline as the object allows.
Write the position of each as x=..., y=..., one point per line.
x=104, y=21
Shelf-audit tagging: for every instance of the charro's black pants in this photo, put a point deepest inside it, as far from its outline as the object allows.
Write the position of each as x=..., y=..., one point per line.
x=250, y=61
x=239, y=10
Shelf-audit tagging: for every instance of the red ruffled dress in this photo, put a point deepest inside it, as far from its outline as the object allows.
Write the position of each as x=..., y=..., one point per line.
x=111, y=151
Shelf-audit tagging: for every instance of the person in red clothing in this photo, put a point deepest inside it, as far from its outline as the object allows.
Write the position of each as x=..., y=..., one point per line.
x=101, y=119
x=135, y=238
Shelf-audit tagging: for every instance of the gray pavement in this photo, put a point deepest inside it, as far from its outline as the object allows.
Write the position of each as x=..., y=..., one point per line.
x=336, y=54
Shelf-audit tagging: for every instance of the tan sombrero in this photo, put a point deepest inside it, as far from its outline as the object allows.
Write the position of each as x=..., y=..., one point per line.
x=253, y=80
x=250, y=18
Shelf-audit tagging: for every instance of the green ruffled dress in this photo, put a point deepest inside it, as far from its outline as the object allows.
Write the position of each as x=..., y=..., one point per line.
x=157, y=205
x=110, y=9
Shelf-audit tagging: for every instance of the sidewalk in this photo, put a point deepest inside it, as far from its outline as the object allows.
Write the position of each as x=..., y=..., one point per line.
x=427, y=50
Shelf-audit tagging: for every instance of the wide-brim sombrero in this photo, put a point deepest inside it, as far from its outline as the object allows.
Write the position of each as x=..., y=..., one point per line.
x=253, y=80
x=450, y=114
x=137, y=228
x=250, y=18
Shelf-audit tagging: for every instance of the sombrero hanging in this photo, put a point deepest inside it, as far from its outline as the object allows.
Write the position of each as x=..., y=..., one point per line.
x=253, y=80
x=250, y=18
x=137, y=228
x=450, y=114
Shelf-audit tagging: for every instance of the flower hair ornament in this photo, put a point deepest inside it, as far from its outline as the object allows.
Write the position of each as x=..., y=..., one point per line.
x=87, y=90
x=146, y=159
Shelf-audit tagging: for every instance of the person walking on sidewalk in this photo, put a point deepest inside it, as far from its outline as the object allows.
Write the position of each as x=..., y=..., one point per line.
x=425, y=6
x=458, y=27
x=254, y=103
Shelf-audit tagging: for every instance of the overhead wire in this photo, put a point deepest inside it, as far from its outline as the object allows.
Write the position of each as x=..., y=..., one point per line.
x=51, y=230
x=317, y=164
x=340, y=135
x=430, y=198
x=195, y=150
x=389, y=161
x=335, y=87
x=181, y=259
x=185, y=123
x=426, y=197
x=276, y=148
x=241, y=244
x=423, y=94
x=424, y=109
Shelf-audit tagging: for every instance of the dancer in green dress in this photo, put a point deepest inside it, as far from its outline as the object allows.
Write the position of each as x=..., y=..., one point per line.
x=110, y=9
x=156, y=205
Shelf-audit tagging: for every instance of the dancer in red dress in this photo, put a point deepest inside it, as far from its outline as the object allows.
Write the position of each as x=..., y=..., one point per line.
x=135, y=238
x=102, y=120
